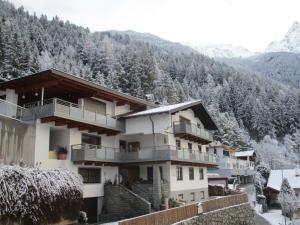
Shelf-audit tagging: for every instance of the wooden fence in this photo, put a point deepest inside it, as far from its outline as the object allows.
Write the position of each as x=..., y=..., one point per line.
x=222, y=202
x=174, y=215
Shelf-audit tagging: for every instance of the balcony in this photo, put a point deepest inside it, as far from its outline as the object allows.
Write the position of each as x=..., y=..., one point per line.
x=235, y=166
x=94, y=153
x=13, y=111
x=73, y=115
x=192, y=132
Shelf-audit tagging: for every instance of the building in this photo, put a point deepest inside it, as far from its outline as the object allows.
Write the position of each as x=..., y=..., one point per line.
x=55, y=119
x=232, y=163
x=274, y=185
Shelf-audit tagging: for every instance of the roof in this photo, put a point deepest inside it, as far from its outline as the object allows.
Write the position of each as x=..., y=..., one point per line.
x=57, y=80
x=195, y=105
x=275, y=178
x=244, y=153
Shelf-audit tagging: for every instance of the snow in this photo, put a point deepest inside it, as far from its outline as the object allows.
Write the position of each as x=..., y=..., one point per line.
x=223, y=51
x=275, y=179
x=166, y=109
x=244, y=153
x=36, y=194
x=290, y=42
x=274, y=216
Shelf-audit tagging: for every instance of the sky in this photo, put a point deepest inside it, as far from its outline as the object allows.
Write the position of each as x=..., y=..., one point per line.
x=252, y=24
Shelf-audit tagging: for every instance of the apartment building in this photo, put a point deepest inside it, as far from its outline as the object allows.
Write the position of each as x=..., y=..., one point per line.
x=232, y=163
x=53, y=119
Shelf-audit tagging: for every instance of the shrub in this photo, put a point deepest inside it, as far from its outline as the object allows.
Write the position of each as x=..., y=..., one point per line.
x=39, y=196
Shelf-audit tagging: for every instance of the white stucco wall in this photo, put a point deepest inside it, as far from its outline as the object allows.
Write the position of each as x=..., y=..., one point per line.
x=143, y=125
x=186, y=183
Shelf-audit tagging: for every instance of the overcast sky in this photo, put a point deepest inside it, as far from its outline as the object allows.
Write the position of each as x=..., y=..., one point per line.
x=252, y=24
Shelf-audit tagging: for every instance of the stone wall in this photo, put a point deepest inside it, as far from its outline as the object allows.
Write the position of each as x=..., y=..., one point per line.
x=121, y=203
x=241, y=214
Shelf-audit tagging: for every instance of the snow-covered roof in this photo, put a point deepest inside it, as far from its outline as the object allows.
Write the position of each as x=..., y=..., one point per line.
x=196, y=105
x=244, y=153
x=275, y=178
x=165, y=109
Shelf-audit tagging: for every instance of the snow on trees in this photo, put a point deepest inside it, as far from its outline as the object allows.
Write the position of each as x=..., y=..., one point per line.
x=38, y=196
x=288, y=199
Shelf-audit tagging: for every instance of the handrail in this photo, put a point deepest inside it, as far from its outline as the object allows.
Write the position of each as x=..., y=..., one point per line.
x=181, y=126
x=15, y=111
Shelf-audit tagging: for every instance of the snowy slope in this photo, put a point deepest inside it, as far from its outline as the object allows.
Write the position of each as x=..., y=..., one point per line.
x=290, y=42
x=223, y=51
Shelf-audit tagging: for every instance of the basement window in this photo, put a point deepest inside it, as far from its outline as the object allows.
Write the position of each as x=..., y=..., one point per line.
x=90, y=175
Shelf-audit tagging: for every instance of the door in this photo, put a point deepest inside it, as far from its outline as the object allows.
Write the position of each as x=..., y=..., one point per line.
x=150, y=173
x=90, y=207
x=123, y=145
x=185, y=124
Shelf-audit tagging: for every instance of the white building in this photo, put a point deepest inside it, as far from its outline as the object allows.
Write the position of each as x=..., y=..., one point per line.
x=232, y=163
x=107, y=135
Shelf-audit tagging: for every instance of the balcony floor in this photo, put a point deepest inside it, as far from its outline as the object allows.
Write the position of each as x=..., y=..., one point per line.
x=59, y=121
x=191, y=137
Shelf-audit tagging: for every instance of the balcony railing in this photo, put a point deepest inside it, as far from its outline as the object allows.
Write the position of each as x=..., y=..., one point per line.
x=14, y=111
x=192, y=129
x=87, y=152
x=236, y=166
x=69, y=110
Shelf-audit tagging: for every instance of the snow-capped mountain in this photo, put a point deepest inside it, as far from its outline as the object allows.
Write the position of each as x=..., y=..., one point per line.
x=290, y=42
x=223, y=51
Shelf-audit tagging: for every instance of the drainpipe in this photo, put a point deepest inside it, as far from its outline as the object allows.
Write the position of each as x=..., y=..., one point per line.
x=42, y=95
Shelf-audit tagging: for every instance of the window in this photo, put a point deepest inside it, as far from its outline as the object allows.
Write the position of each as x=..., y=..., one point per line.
x=90, y=175
x=150, y=173
x=198, y=125
x=190, y=147
x=180, y=197
x=192, y=196
x=201, y=194
x=179, y=173
x=200, y=148
x=215, y=151
x=178, y=145
x=90, y=139
x=161, y=172
x=201, y=174
x=191, y=173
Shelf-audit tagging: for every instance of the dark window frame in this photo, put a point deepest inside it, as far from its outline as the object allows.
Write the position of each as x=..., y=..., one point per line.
x=91, y=175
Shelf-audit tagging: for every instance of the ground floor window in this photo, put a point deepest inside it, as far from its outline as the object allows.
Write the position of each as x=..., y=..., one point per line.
x=201, y=194
x=191, y=173
x=201, y=174
x=192, y=196
x=90, y=175
x=179, y=173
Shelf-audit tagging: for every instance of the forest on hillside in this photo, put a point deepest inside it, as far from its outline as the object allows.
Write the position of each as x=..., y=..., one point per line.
x=249, y=110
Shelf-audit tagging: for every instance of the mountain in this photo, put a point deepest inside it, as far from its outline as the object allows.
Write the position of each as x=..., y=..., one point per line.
x=280, y=66
x=246, y=107
x=223, y=51
x=290, y=42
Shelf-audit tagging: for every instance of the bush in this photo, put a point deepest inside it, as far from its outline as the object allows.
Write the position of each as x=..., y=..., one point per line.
x=38, y=196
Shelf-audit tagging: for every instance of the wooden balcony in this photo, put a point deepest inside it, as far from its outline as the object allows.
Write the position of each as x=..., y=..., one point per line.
x=64, y=113
x=192, y=132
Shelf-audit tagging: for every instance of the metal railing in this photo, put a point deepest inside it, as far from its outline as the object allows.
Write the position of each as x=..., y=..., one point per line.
x=14, y=111
x=193, y=129
x=59, y=107
x=87, y=152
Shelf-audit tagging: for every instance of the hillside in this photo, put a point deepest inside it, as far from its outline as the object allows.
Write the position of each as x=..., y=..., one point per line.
x=245, y=106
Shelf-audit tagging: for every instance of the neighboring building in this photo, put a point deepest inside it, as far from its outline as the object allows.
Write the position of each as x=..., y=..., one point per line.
x=274, y=185
x=108, y=136
x=232, y=163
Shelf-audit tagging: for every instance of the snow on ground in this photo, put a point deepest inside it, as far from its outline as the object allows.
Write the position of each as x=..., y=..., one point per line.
x=274, y=217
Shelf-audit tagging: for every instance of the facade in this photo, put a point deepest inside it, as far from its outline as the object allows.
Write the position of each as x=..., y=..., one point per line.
x=232, y=163
x=54, y=119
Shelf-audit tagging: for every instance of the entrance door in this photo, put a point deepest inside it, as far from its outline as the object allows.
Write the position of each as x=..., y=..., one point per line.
x=90, y=207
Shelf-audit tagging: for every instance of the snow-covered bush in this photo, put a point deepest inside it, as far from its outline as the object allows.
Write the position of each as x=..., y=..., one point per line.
x=261, y=177
x=38, y=196
x=288, y=199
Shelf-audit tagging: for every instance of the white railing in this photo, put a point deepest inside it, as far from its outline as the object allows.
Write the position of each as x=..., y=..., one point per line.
x=72, y=110
x=14, y=111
